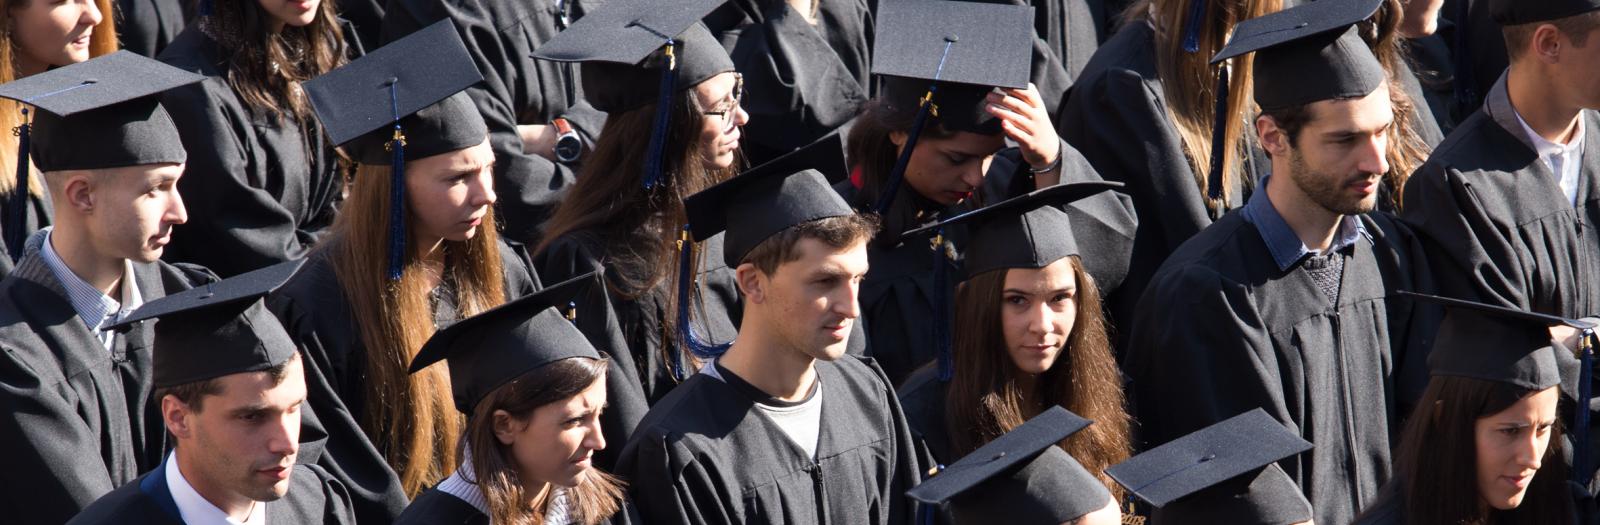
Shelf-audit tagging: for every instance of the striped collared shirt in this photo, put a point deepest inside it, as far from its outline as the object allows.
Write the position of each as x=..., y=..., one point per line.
x=94, y=307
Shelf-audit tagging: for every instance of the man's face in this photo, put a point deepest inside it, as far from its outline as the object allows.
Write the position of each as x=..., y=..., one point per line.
x=812, y=301
x=1339, y=158
x=130, y=211
x=244, y=440
x=1581, y=67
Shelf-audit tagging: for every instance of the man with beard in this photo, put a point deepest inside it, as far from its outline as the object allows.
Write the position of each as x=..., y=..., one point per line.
x=1282, y=304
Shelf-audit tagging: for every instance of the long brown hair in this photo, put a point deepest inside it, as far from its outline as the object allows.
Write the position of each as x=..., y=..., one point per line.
x=494, y=469
x=410, y=417
x=265, y=68
x=1407, y=149
x=639, y=227
x=1436, y=463
x=103, y=41
x=1189, y=80
x=985, y=400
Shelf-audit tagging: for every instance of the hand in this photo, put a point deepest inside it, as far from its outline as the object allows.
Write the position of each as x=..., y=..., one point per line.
x=1024, y=119
x=538, y=139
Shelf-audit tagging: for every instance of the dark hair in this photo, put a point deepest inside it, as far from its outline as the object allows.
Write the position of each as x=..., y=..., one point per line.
x=1575, y=27
x=870, y=148
x=494, y=468
x=263, y=67
x=1291, y=120
x=1435, y=460
x=984, y=400
x=837, y=232
x=193, y=395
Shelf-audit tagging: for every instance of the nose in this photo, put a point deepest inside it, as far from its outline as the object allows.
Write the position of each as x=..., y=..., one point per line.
x=740, y=116
x=1374, y=157
x=973, y=177
x=849, y=306
x=285, y=436
x=91, y=15
x=1039, y=322
x=1530, y=452
x=596, y=439
x=483, y=191
x=177, y=213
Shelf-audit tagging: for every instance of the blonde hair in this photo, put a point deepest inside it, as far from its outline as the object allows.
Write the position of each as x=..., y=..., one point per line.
x=410, y=417
x=102, y=42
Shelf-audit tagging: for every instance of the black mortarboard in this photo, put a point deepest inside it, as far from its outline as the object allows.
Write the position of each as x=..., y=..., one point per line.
x=1029, y=231
x=411, y=86
x=218, y=329
x=1304, y=54
x=1517, y=12
x=102, y=113
x=1224, y=473
x=1494, y=343
x=767, y=199
x=1015, y=473
x=933, y=52
x=503, y=343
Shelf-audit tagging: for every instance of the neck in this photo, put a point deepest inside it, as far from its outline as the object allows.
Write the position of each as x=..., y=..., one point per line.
x=27, y=66
x=1025, y=383
x=102, y=272
x=234, y=505
x=1312, y=223
x=536, y=491
x=1540, y=104
x=768, y=363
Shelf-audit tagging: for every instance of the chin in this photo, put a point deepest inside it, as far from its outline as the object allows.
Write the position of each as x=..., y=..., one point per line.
x=830, y=351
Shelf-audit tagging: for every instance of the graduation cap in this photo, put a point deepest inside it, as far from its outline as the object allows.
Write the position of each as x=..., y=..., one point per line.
x=1517, y=12
x=1224, y=473
x=1021, y=475
x=413, y=87
x=618, y=44
x=218, y=329
x=1029, y=231
x=935, y=55
x=1307, y=53
x=503, y=343
x=102, y=113
x=1500, y=344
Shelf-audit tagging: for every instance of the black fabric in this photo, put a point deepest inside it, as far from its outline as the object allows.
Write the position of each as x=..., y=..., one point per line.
x=714, y=459
x=1326, y=270
x=765, y=200
x=1267, y=498
x=1222, y=330
x=1003, y=457
x=366, y=20
x=938, y=41
x=1308, y=53
x=314, y=311
x=1511, y=12
x=78, y=424
x=922, y=398
x=314, y=496
x=147, y=26
x=1389, y=509
x=1028, y=231
x=1226, y=471
x=623, y=48
x=1053, y=488
x=434, y=507
x=1495, y=343
x=36, y=214
x=259, y=190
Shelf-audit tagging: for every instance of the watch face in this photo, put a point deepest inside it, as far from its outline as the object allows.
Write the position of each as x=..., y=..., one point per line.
x=568, y=147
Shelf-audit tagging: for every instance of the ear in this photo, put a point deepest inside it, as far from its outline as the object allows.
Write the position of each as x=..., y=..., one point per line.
x=175, y=414
x=752, y=283
x=1272, y=138
x=1547, y=43
x=79, y=192
x=506, y=427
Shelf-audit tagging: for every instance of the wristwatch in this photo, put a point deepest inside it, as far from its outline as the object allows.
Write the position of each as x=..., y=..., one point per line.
x=569, y=146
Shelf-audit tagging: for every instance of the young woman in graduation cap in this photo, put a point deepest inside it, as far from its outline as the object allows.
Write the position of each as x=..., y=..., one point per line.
x=1484, y=444
x=533, y=389
x=1028, y=335
x=673, y=129
x=414, y=249
x=267, y=181
x=39, y=35
x=933, y=143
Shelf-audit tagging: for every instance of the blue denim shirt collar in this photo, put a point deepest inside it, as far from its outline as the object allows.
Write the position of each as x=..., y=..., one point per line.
x=1282, y=243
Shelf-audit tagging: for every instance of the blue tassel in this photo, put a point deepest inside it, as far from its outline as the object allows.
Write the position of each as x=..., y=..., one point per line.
x=897, y=175
x=205, y=8
x=941, y=309
x=15, y=227
x=1219, y=135
x=686, y=335
x=397, y=189
x=658, y=134
x=1580, y=435
x=1191, y=27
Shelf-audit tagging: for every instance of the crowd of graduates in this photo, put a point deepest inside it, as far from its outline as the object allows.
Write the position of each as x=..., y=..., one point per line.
x=549, y=262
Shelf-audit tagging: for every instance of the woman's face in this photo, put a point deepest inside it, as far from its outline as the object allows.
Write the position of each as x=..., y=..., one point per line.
x=556, y=442
x=1511, y=445
x=296, y=13
x=947, y=170
x=1037, y=312
x=719, y=131
x=449, y=194
x=52, y=32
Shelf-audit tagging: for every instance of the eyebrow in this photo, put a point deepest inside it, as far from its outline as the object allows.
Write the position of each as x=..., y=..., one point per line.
x=1046, y=292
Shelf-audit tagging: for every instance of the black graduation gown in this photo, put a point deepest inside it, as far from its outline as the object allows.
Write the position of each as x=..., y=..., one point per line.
x=1222, y=330
x=366, y=20
x=897, y=296
x=147, y=26
x=802, y=81
x=922, y=397
x=1429, y=58
x=314, y=311
x=517, y=89
x=705, y=455
x=259, y=192
x=1117, y=117
x=77, y=422
x=1388, y=510
x=314, y=496
x=36, y=213
x=435, y=507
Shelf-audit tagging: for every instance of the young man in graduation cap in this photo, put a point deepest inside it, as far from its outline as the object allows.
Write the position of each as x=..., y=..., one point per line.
x=231, y=385
x=1283, y=304
x=77, y=423
x=1023, y=476
x=1509, y=201
x=783, y=427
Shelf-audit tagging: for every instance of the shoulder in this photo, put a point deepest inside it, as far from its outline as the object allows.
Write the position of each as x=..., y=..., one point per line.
x=436, y=507
x=1126, y=58
x=1473, y=144
x=517, y=265
x=314, y=295
x=195, y=52
x=126, y=504
x=922, y=397
x=1218, y=251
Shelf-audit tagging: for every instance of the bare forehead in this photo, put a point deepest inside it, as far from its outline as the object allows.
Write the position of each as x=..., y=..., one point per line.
x=1366, y=114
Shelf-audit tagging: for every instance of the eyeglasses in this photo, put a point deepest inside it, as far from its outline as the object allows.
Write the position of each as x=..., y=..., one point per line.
x=732, y=107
